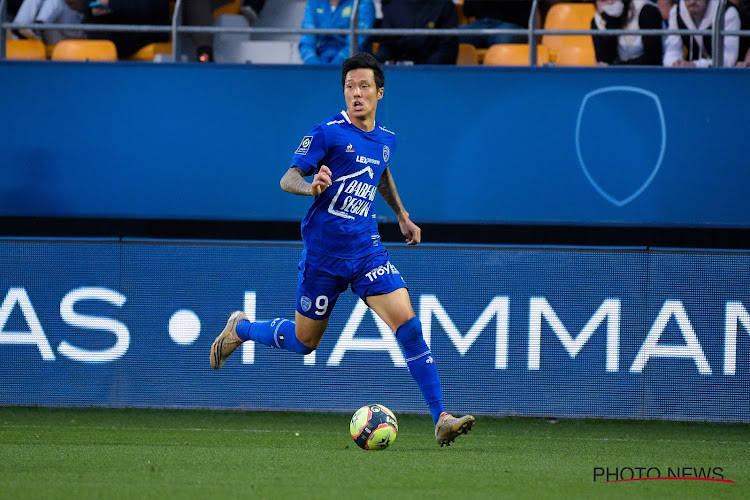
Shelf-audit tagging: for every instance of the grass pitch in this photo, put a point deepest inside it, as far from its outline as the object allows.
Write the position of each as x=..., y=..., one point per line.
x=103, y=453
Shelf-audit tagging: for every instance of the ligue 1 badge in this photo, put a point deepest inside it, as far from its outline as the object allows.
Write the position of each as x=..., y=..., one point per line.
x=304, y=145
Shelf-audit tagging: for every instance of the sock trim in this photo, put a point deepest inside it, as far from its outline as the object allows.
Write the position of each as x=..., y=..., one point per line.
x=418, y=356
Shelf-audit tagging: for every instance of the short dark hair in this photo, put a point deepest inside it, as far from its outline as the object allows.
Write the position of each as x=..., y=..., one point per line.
x=363, y=60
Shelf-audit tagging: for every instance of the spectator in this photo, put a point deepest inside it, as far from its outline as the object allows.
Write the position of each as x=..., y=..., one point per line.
x=627, y=49
x=502, y=14
x=699, y=14
x=743, y=6
x=665, y=6
x=148, y=12
x=49, y=12
x=420, y=14
x=333, y=14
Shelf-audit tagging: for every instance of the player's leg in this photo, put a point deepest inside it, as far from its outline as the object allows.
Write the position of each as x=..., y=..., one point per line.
x=396, y=310
x=301, y=336
x=383, y=289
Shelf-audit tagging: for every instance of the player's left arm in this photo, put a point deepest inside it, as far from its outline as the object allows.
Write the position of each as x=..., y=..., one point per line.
x=387, y=189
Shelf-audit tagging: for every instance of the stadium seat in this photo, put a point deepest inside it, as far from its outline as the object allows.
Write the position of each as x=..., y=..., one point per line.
x=148, y=52
x=467, y=55
x=576, y=55
x=230, y=8
x=25, y=50
x=514, y=54
x=267, y=52
x=568, y=16
x=84, y=50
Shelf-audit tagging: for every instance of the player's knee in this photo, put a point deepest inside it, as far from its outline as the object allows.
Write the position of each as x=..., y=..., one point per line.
x=303, y=349
x=410, y=332
x=292, y=343
x=289, y=339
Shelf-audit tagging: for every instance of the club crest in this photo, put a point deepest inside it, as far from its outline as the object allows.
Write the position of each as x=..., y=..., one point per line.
x=386, y=153
x=618, y=169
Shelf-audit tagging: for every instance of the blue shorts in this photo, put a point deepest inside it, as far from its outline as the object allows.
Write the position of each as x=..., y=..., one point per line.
x=322, y=279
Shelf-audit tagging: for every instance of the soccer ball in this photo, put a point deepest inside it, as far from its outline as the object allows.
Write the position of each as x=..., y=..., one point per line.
x=373, y=427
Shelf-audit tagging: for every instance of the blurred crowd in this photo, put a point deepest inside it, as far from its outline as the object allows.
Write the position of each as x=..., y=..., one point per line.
x=674, y=50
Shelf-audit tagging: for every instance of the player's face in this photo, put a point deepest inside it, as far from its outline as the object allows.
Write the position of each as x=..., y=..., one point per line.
x=361, y=93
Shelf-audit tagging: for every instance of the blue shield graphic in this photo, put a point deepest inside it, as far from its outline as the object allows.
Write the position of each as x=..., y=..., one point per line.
x=620, y=140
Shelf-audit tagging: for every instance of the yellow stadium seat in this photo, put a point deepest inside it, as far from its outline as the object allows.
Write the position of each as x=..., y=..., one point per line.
x=84, y=50
x=467, y=55
x=514, y=54
x=147, y=52
x=576, y=55
x=232, y=7
x=568, y=16
x=25, y=49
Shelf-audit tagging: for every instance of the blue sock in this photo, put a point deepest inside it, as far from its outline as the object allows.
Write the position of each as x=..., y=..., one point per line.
x=421, y=365
x=278, y=333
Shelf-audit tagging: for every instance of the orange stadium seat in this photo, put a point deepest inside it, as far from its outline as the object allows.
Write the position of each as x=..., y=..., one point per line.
x=25, y=49
x=576, y=55
x=467, y=55
x=84, y=50
x=568, y=16
x=148, y=52
x=514, y=54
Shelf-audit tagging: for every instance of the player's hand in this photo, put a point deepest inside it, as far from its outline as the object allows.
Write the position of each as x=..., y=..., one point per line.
x=321, y=181
x=411, y=231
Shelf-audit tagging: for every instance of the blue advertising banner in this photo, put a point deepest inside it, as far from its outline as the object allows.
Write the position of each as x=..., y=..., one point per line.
x=569, y=332
x=486, y=145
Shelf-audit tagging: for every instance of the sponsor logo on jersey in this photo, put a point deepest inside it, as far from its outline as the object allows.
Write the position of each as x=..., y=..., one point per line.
x=350, y=148
x=335, y=122
x=386, y=153
x=366, y=160
x=355, y=195
x=386, y=268
x=385, y=130
x=304, y=146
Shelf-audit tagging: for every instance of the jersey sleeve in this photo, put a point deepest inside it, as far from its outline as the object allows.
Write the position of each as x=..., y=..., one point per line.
x=311, y=151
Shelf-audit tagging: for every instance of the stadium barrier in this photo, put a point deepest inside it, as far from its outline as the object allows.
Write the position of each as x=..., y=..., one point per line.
x=552, y=331
x=629, y=147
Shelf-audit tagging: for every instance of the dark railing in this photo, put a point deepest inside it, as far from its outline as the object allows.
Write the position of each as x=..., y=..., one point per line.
x=532, y=31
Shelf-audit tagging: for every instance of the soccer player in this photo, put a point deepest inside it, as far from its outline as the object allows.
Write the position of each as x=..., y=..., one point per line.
x=349, y=155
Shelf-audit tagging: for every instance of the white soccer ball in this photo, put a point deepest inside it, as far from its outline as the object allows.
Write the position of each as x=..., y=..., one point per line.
x=373, y=427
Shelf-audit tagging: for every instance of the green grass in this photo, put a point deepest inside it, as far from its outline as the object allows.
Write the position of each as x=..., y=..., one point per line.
x=101, y=453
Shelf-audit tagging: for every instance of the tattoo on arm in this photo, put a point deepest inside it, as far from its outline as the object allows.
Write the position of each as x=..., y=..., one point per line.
x=387, y=189
x=295, y=183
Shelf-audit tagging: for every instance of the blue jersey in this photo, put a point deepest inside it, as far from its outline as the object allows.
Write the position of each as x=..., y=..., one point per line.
x=341, y=221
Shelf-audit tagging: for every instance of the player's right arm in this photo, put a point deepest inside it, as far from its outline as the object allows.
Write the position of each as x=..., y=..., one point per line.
x=294, y=181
